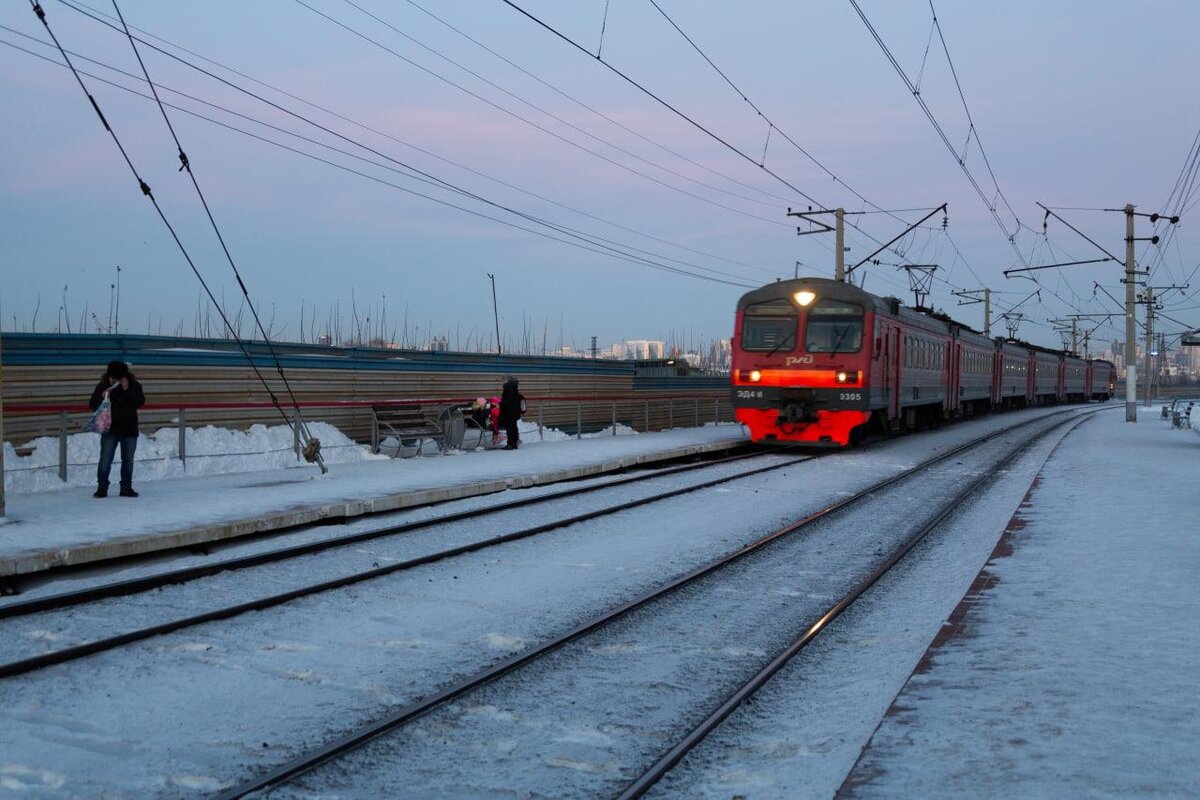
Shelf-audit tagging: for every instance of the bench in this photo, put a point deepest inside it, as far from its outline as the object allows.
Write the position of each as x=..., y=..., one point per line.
x=404, y=423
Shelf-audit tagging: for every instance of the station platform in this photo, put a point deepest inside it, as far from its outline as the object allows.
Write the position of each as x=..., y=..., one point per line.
x=68, y=527
x=1069, y=669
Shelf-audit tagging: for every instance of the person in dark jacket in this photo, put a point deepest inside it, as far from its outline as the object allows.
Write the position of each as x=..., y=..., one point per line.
x=510, y=412
x=125, y=397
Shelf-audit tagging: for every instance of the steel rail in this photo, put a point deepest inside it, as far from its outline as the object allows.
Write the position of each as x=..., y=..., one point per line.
x=673, y=756
x=413, y=711
x=33, y=663
x=90, y=594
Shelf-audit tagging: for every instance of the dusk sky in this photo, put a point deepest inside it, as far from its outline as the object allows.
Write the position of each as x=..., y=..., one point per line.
x=1079, y=105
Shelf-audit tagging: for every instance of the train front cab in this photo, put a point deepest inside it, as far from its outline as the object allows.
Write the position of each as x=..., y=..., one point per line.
x=801, y=362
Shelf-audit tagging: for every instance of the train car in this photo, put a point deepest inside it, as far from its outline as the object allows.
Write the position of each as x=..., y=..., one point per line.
x=972, y=366
x=1011, y=388
x=1101, y=379
x=1074, y=372
x=1045, y=368
x=803, y=365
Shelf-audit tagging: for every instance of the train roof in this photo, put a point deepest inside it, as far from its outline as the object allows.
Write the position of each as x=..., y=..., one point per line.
x=838, y=290
x=823, y=287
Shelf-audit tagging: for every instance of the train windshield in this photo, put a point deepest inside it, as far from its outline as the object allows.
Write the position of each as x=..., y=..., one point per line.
x=770, y=326
x=834, y=326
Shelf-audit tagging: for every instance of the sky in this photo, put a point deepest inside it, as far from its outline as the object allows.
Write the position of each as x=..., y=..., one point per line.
x=599, y=210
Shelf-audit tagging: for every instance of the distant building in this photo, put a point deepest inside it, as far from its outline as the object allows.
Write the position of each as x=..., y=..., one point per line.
x=642, y=349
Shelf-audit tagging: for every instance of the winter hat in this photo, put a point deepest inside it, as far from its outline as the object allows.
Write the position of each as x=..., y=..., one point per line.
x=118, y=369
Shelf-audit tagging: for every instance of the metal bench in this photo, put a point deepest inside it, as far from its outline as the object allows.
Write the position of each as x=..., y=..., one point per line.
x=406, y=424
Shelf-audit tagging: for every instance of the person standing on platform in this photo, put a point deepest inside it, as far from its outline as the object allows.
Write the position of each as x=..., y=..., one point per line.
x=125, y=397
x=512, y=405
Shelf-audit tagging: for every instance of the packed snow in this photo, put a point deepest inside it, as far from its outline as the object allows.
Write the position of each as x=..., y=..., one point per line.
x=1039, y=697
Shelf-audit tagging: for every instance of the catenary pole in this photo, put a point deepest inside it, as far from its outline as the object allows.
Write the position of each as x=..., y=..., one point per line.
x=1130, y=333
x=495, y=313
x=839, y=271
x=1147, y=379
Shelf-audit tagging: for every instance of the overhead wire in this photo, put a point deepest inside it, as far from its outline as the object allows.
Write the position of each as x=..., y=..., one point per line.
x=875, y=208
x=373, y=162
x=565, y=140
x=1010, y=236
x=447, y=185
x=592, y=109
x=398, y=140
x=773, y=126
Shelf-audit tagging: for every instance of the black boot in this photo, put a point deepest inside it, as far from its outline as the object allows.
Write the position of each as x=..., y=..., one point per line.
x=100, y=492
x=127, y=491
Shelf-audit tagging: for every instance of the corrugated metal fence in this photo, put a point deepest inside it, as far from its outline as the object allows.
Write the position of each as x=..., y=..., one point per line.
x=49, y=377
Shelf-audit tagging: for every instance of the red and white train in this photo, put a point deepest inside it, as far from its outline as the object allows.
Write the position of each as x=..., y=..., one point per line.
x=818, y=361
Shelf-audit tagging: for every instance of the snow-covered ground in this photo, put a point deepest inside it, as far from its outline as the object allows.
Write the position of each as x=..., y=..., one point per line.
x=1012, y=708
x=218, y=451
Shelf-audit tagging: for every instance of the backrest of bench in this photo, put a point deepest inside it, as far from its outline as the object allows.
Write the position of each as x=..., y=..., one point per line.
x=399, y=416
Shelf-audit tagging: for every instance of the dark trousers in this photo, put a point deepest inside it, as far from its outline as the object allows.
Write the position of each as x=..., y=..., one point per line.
x=108, y=448
x=514, y=437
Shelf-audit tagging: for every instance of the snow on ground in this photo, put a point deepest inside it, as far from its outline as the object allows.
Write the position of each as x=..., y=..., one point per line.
x=1078, y=670
x=1040, y=698
x=221, y=451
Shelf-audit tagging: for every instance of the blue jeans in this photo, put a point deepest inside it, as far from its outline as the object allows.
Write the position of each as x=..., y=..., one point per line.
x=108, y=448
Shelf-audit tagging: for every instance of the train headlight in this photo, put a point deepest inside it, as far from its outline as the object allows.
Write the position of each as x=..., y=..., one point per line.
x=804, y=298
x=755, y=376
x=847, y=377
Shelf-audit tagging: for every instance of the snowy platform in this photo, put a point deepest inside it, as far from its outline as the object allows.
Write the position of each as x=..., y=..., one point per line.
x=68, y=526
x=1069, y=669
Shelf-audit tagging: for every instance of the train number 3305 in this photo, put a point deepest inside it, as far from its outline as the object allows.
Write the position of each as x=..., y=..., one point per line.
x=849, y=395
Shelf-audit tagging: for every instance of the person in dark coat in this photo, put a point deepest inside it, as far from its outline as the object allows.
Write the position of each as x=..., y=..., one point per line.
x=125, y=397
x=510, y=412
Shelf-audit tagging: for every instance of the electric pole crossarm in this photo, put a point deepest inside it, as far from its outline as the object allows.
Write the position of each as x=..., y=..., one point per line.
x=1008, y=272
x=839, y=228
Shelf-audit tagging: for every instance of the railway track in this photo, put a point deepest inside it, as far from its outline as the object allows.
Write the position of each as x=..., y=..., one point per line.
x=40, y=607
x=14, y=607
x=378, y=743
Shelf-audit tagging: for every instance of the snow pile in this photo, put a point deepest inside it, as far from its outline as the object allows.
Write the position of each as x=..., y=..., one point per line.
x=218, y=451
x=209, y=451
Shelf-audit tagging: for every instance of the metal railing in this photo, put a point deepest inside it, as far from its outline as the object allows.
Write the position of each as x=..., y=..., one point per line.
x=575, y=415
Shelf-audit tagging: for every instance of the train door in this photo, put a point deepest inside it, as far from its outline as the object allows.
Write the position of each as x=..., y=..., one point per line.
x=894, y=366
x=953, y=377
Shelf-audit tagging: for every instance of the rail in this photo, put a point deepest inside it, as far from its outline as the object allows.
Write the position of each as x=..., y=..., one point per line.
x=574, y=413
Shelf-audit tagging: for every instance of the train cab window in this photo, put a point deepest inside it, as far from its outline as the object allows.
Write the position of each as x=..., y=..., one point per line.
x=834, y=326
x=770, y=326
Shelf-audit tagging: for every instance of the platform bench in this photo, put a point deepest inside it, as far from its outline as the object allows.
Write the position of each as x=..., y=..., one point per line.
x=404, y=423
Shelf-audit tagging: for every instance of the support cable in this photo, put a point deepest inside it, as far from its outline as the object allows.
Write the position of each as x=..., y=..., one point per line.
x=145, y=189
x=312, y=446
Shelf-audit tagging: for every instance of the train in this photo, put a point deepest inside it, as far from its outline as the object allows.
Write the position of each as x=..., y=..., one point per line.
x=825, y=363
